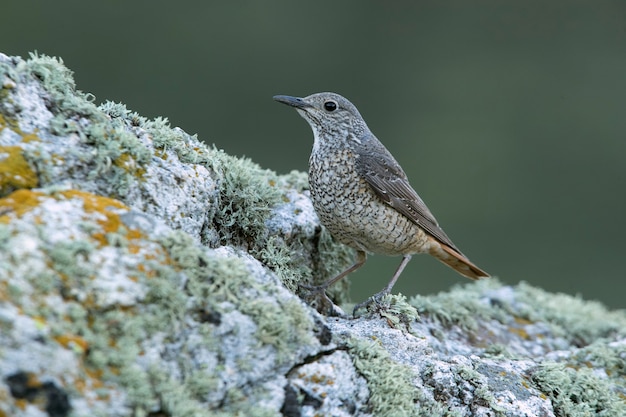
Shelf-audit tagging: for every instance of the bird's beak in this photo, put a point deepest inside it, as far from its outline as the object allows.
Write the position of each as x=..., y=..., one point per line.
x=296, y=102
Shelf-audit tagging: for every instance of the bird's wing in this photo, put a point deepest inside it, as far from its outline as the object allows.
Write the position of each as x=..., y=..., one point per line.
x=382, y=172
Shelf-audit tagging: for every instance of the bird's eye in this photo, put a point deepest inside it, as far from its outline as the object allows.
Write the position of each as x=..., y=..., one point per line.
x=330, y=105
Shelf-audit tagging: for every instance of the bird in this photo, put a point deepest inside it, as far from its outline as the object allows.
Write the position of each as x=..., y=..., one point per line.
x=363, y=197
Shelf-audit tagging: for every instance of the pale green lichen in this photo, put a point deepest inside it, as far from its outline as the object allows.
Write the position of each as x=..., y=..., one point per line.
x=329, y=259
x=578, y=320
x=247, y=196
x=461, y=306
x=283, y=324
x=601, y=357
x=396, y=310
x=113, y=153
x=115, y=335
x=285, y=261
x=392, y=392
x=110, y=150
x=577, y=392
x=297, y=180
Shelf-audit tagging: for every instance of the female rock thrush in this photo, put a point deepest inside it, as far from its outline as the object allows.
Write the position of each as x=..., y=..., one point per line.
x=362, y=195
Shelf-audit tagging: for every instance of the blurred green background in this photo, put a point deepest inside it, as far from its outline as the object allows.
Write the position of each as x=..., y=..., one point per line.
x=507, y=116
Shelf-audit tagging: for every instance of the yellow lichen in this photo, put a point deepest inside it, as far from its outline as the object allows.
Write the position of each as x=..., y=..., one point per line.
x=15, y=172
x=74, y=342
x=128, y=164
x=18, y=203
x=522, y=321
x=520, y=332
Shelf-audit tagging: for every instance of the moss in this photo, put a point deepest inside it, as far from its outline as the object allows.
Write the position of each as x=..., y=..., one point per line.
x=392, y=392
x=577, y=393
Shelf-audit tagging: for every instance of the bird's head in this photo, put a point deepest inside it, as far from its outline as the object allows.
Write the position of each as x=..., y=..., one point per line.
x=329, y=114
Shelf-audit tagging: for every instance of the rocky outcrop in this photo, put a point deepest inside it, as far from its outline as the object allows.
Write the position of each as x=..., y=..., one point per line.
x=144, y=273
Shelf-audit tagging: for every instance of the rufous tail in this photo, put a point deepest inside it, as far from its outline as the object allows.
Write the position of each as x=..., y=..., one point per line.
x=456, y=261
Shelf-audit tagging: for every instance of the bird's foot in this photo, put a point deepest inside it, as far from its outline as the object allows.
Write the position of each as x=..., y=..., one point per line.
x=318, y=299
x=374, y=299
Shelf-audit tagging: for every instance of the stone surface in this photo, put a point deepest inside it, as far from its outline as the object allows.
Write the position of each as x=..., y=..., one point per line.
x=143, y=273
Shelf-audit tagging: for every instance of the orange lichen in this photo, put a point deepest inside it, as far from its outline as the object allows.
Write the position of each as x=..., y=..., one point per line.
x=111, y=223
x=22, y=201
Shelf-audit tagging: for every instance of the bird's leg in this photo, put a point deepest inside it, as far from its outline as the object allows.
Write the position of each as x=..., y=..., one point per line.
x=377, y=297
x=320, y=290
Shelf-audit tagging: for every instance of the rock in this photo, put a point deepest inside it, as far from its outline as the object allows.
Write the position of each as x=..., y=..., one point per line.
x=144, y=273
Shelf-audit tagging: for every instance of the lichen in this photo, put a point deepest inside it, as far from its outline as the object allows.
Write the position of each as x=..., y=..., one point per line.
x=15, y=171
x=603, y=358
x=111, y=156
x=107, y=148
x=396, y=310
x=577, y=392
x=212, y=281
x=580, y=321
x=392, y=392
x=247, y=196
x=462, y=306
x=329, y=259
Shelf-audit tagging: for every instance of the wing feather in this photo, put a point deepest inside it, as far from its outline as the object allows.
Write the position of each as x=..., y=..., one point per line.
x=382, y=172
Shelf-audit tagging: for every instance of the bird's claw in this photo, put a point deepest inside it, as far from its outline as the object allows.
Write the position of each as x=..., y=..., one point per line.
x=317, y=298
x=374, y=299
